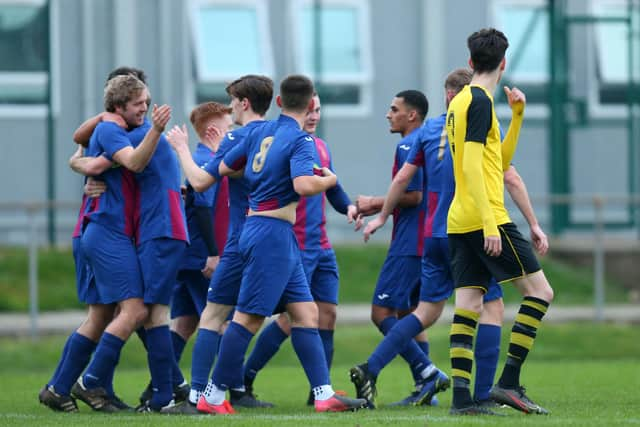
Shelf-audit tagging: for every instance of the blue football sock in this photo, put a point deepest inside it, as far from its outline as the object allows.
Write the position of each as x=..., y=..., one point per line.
x=63, y=356
x=104, y=362
x=486, y=354
x=307, y=345
x=160, y=358
x=424, y=346
x=267, y=345
x=385, y=326
x=399, y=339
x=178, y=343
x=387, y=323
x=79, y=352
x=233, y=346
x=142, y=334
x=326, y=335
x=108, y=382
x=204, y=353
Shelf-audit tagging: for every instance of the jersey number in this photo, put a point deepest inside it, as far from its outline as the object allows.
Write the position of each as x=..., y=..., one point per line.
x=443, y=143
x=261, y=156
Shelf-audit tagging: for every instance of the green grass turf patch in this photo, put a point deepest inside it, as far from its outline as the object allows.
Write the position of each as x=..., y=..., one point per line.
x=585, y=374
x=359, y=267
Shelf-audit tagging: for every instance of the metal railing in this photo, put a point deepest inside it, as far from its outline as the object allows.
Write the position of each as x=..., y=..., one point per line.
x=32, y=209
x=597, y=202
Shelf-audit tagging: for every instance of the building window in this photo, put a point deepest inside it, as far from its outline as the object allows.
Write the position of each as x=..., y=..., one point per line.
x=23, y=49
x=332, y=45
x=612, y=51
x=526, y=25
x=231, y=38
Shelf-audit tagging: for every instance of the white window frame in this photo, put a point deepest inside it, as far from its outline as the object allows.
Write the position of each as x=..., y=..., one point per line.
x=595, y=108
x=35, y=78
x=537, y=110
x=265, y=50
x=363, y=79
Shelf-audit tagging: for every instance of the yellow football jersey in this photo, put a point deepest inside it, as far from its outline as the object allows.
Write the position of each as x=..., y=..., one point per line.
x=471, y=119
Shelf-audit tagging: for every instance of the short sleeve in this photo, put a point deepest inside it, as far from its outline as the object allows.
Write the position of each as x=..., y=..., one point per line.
x=301, y=162
x=479, y=117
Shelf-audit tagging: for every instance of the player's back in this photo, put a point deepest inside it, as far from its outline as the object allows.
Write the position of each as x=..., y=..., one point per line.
x=471, y=119
x=274, y=152
x=438, y=172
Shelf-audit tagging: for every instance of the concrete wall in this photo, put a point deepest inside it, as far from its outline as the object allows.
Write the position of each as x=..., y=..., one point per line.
x=415, y=44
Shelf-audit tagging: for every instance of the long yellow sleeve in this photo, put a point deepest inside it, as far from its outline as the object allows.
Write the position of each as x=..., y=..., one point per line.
x=474, y=179
x=510, y=141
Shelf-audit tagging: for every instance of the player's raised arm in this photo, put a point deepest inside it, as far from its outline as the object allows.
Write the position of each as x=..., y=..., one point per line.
x=136, y=159
x=517, y=102
x=82, y=135
x=199, y=179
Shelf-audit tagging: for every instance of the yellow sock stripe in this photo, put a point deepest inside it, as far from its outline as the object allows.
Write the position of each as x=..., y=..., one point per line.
x=462, y=329
x=525, y=319
x=461, y=373
x=541, y=308
x=467, y=313
x=462, y=353
x=522, y=340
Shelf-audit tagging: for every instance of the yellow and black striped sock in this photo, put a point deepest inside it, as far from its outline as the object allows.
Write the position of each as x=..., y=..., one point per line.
x=523, y=334
x=463, y=330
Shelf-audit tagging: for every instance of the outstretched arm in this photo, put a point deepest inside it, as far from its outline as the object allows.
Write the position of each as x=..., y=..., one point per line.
x=199, y=179
x=395, y=195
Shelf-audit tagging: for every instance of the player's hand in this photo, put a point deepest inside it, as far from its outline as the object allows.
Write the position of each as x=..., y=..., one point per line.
x=94, y=188
x=372, y=226
x=352, y=213
x=365, y=205
x=77, y=154
x=493, y=245
x=113, y=118
x=539, y=240
x=178, y=137
x=210, y=266
x=516, y=100
x=160, y=117
x=359, y=222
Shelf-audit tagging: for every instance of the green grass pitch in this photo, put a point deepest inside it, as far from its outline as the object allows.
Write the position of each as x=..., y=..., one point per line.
x=585, y=374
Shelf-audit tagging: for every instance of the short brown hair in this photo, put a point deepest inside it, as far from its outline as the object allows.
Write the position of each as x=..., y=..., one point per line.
x=457, y=79
x=120, y=90
x=295, y=92
x=257, y=89
x=205, y=112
